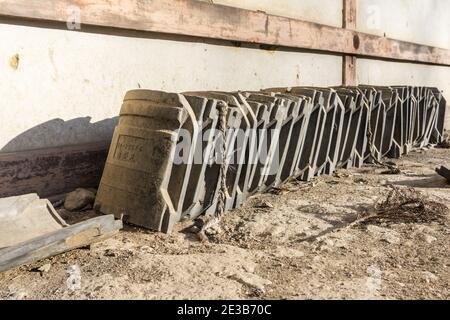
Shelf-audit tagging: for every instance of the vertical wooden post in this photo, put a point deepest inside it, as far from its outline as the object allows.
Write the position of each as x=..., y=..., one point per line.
x=349, y=71
x=349, y=62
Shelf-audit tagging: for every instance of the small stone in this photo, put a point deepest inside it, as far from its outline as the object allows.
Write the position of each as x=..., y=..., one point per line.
x=45, y=268
x=147, y=249
x=429, y=239
x=430, y=277
x=390, y=238
x=360, y=180
x=264, y=204
x=79, y=199
x=109, y=253
x=409, y=243
x=251, y=280
x=215, y=230
x=303, y=234
x=249, y=268
x=325, y=248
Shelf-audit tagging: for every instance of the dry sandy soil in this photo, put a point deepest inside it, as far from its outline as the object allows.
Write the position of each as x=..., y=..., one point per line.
x=297, y=244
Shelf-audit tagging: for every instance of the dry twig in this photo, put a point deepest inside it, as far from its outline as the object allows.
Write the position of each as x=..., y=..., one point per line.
x=406, y=206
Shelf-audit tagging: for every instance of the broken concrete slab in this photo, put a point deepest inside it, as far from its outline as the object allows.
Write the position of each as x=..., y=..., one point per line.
x=31, y=229
x=25, y=217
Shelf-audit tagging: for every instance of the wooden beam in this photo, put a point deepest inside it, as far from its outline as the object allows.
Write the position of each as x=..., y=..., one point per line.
x=349, y=14
x=349, y=71
x=52, y=171
x=349, y=62
x=200, y=19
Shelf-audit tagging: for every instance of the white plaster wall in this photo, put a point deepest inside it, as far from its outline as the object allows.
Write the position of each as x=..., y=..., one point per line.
x=421, y=21
x=327, y=12
x=69, y=85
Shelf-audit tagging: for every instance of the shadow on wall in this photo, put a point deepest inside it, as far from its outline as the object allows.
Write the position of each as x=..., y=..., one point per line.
x=57, y=132
x=56, y=157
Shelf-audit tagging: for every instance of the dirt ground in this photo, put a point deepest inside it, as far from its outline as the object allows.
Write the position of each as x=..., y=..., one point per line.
x=296, y=243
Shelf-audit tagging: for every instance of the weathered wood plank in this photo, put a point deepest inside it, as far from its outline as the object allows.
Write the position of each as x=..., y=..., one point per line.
x=349, y=71
x=200, y=19
x=349, y=14
x=52, y=171
x=349, y=62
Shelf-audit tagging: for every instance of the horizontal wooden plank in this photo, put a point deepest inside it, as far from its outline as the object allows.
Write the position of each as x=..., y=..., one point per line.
x=200, y=19
x=52, y=171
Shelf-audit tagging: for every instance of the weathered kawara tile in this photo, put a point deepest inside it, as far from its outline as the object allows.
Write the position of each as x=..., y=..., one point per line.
x=165, y=161
x=140, y=182
x=353, y=140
